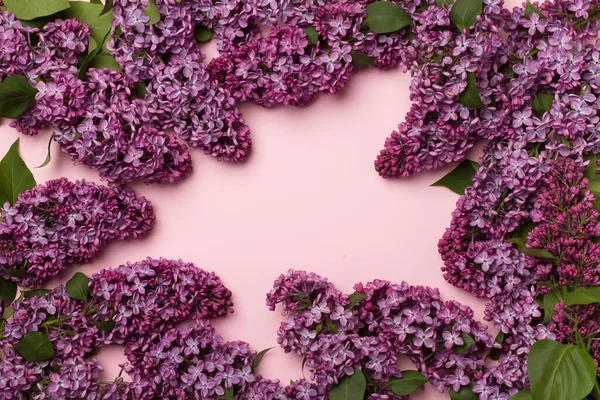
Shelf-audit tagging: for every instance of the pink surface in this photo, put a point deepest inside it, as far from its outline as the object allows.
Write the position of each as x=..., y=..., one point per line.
x=308, y=198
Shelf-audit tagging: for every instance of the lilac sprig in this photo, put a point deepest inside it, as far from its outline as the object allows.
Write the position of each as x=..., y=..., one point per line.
x=62, y=223
x=337, y=334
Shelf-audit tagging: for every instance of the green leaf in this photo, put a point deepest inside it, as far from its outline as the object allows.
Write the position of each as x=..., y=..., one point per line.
x=410, y=381
x=539, y=253
x=35, y=293
x=8, y=312
x=354, y=299
x=542, y=103
x=30, y=9
x=259, y=357
x=78, y=287
x=350, y=387
x=464, y=13
x=524, y=395
x=312, y=35
x=105, y=325
x=530, y=9
x=35, y=346
x=8, y=291
x=83, y=11
x=100, y=30
x=360, y=60
x=108, y=5
x=16, y=96
x=549, y=300
x=522, y=233
x=139, y=90
x=590, y=172
x=465, y=393
x=104, y=61
x=460, y=177
x=582, y=296
x=49, y=155
x=228, y=395
x=153, y=12
x=559, y=371
x=15, y=177
x=441, y=3
x=495, y=353
x=203, y=34
x=470, y=97
x=386, y=17
x=469, y=341
x=85, y=64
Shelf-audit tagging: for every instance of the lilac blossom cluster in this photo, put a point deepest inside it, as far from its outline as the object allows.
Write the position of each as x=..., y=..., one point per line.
x=547, y=52
x=143, y=303
x=181, y=94
x=337, y=335
x=61, y=223
x=526, y=225
x=142, y=300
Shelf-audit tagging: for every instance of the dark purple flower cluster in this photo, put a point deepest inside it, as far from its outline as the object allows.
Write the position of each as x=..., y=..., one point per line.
x=62, y=223
x=181, y=94
x=336, y=334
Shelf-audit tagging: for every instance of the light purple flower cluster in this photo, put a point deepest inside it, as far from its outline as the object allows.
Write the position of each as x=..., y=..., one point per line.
x=547, y=52
x=62, y=223
x=528, y=218
x=140, y=301
x=336, y=335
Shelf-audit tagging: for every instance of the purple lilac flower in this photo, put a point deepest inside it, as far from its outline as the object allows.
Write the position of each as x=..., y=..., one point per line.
x=62, y=223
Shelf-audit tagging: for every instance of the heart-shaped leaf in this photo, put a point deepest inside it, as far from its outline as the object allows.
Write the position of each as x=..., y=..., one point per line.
x=312, y=35
x=259, y=357
x=354, y=299
x=465, y=393
x=559, y=371
x=105, y=325
x=582, y=296
x=542, y=103
x=15, y=177
x=410, y=381
x=464, y=13
x=31, y=9
x=530, y=9
x=203, y=34
x=35, y=293
x=153, y=12
x=35, y=346
x=468, y=342
x=524, y=395
x=78, y=287
x=460, y=177
x=470, y=96
x=549, y=300
x=17, y=96
x=386, y=17
x=228, y=395
x=360, y=60
x=8, y=291
x=350, y=387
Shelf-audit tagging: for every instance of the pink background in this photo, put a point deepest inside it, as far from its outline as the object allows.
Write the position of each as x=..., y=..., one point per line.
x=307, y=198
